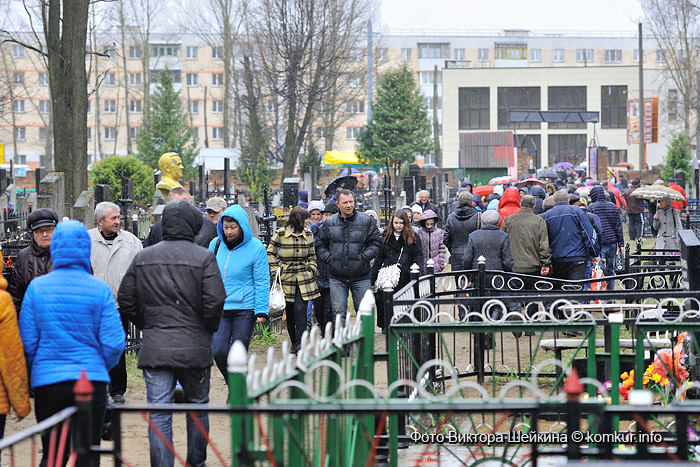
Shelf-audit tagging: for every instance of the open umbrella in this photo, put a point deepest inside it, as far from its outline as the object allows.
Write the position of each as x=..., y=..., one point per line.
x=483, y=190
x=342, y=181
x=501, y=180
x=657, y=192
x=528, y=182
x=551, y=175
x=563, y=165
x=345, y=172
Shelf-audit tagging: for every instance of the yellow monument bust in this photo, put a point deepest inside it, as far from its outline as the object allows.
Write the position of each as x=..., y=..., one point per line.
x=170, y=167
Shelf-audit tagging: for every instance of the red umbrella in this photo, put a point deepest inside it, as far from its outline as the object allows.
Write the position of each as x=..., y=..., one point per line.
x=530, y=182
x=483, y=190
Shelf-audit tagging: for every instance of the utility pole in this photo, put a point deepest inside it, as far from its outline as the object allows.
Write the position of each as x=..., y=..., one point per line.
x=370, y=74
x=641, y=104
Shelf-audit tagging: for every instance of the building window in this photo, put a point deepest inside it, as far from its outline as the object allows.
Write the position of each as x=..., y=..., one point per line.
x=535, y=55
x=433, y=50
x=21, y=159
x=474, y=108
x=382, y=54
x=108, y=52
x=459, y=54
x=567, y=98
x=406, y=55
x=428, y=77
x=20, y=133
x=134, y=52
x=18, y=106
x=672, y=105
x=636, y=56
x=321, y=132
x=165, y=50
x=110, y=106
x=660, y=56
x=217, y=53
x=613, y=106
x=17, y=51
x=135, y=106
x=567, y=148
x=524, y=98
x=357, y=54
x=558, y=55
x=217, y=79
x=43, y=79
x=132, y=132
x=355, y=107
x=175, y=75
x=134, y=79
x=110, y=79
x=354, y=81
x=42, y=133
x=584, y=55
x=428, y=103
x=89, y=133
x=217, y=133
x=613, y=56
x=44, y=106
x=217, y=107
x=18, y=77
x=89, y=107
x=110, y=133
x=483, y=55
x=193, y=107
x=352, y=132
x=192, y=79
x=511, y=52
x=194, y=134
x=191, y=52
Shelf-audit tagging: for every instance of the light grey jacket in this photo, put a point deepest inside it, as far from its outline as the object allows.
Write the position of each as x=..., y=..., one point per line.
x=668, y=224
x=110, y=264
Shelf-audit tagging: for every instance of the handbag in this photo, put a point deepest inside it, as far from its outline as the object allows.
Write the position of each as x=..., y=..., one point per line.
x=389, y=274
x=277, y=298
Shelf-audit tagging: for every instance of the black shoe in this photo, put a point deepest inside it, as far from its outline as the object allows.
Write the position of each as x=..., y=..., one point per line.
x=571, y=334
x=179, y=395
x=384, y=331
x=118, y=399
x=295, y=349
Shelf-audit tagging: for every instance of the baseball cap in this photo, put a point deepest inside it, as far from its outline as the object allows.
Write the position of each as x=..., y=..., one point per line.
x=216, y=204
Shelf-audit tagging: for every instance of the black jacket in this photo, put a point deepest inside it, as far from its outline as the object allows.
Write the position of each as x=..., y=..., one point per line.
x=493, y=245
x=611, y=226
x=31, y=262
x=459, y=225
x=348, y=244
x=174, y=293
x=389, y=254
x=204, y=236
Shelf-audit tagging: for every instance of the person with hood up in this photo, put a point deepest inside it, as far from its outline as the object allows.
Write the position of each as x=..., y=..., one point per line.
x=620, y=201
x=477, y=199
x=465, y=220
x=539, y=194
x=242, y=261
x=529, y=242
x=550, y=189
x=509, y=204
x=173, y=291
x=494, y=198
x=679, y=205
x=432, y=240
x=291, y=250
x=303, y=199
x=490, y=243
x=612, y=241
x=69, y=323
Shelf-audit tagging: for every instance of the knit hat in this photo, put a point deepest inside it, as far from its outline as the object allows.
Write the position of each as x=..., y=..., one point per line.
x=490, y=217
x=315, y=204
x=498, y=189
x=416, y=208
x=330, y=207
x=373, y=214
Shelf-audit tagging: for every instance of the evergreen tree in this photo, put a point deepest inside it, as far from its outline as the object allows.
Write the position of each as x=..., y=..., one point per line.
x=165, y=128
x=678, y=157
x=109, y=171
x=399, y=129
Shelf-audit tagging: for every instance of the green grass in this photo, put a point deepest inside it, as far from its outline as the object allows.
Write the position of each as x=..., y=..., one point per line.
x=134, y=375
x=264, y=336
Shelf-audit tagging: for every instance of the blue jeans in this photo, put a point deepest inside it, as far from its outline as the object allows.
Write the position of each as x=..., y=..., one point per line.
x=160, y=389
x=236, y=325
x=608, y=253
x=339, y=295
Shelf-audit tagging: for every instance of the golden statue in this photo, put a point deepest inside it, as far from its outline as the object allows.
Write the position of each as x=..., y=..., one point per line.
x=170, y=167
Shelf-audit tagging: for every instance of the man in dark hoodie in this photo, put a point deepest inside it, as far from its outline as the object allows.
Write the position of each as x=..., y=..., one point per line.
x=539, y=194
x=477, y=199
x=174, y=293
x=611, y=240
x=303, y=199
x=458, y=226
x=206, y=232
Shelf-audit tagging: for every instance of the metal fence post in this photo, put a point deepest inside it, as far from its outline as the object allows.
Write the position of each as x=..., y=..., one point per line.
x=238, y=396
x=573, y=389
x=81, y=427
x=480, y=337
x=430, y=266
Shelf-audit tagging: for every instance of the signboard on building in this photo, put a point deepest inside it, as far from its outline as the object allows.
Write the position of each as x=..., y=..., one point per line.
x=651, y=120
x=2, y=153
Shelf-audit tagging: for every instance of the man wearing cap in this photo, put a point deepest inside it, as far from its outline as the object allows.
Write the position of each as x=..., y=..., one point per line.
x=215, y=208
x=111, y=253
x=634, y=212
x=35, y=260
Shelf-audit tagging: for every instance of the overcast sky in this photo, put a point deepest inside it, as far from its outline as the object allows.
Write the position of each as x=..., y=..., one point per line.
x=609, y=15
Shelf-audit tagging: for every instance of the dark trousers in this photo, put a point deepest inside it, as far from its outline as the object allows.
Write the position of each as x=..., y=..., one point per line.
x=634, y=222
x=296, y=318
x=53, y=398
x=322, y=309
x=117, y=375
x=571, y=270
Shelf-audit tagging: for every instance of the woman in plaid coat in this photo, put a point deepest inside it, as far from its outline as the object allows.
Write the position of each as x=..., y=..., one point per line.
x=292, y=250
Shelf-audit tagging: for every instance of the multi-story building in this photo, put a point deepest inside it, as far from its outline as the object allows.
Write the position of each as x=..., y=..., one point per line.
x=481, y=76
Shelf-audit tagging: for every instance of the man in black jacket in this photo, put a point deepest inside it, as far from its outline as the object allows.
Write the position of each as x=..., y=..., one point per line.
x=459, y=225
x=173, y=291
x=348, y=241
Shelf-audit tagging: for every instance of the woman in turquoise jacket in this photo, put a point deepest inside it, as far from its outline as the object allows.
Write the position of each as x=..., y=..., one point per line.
x=69, y=323
x=242, y=260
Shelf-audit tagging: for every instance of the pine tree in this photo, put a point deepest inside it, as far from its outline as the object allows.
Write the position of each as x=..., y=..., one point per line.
x=399, y=129
x=678, y=157
x=165, y=128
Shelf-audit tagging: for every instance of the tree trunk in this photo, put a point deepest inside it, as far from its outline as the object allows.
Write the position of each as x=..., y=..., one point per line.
x=65, y=40
x=122, y=25
x=436, y=124
x=206, y=128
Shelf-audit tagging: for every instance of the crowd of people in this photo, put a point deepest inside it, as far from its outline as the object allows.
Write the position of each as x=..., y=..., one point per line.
x=202, y=281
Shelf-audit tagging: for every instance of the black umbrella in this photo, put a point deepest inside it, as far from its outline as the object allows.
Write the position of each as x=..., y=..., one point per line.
x=344, y=181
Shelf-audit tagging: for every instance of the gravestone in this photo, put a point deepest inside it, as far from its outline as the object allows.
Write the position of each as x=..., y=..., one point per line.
x=690, y=259
x=84, y=209
x=52, y=193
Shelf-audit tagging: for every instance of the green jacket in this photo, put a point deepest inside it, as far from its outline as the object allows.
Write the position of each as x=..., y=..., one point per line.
x=529, y=242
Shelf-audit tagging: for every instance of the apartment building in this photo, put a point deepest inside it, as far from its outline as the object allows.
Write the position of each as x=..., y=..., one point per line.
x=550, y=64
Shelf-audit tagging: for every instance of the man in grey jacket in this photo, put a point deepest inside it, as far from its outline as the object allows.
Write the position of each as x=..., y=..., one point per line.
x=111, y=253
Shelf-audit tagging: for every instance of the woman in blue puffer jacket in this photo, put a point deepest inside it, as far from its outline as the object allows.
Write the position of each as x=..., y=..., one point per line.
x=69, y=323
